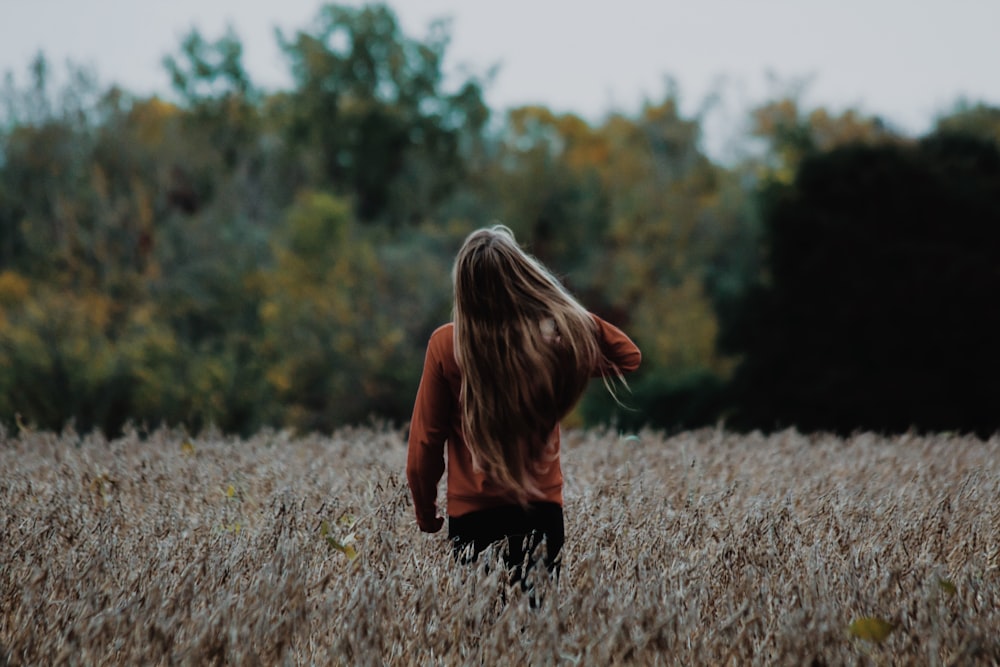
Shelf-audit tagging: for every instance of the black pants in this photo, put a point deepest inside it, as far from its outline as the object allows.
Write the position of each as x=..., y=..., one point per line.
x=523, y=528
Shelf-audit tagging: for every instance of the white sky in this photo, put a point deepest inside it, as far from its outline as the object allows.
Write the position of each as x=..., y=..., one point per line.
x=906, y=60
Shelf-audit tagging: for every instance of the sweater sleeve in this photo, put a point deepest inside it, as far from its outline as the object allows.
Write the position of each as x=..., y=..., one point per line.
x=428, y=433
x=620, y=353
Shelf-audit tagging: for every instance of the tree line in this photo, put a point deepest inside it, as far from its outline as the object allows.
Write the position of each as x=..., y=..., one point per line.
x=245, y=258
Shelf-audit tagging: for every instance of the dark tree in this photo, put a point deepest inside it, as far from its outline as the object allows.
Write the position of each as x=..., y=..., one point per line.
x=880, y=307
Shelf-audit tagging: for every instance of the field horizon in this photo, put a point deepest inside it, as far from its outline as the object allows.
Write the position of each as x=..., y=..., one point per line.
x=705, y=547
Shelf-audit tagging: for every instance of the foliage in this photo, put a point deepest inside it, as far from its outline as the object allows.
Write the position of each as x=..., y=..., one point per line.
x=369, y=103
x=876, y=311
x=793, y=134
x=673, y=402
x=979, y=120
x=232, y=256
x=322, y=325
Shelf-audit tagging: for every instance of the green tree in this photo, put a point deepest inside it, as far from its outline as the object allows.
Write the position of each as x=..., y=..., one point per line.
x=213, y=85
x=979, y=120
x=325, y=331
x=667, y=223
x=546, y=184
x=370, y=107
x=791, y=133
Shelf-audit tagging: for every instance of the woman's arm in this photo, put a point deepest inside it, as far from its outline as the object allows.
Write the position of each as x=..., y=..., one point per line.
x=428, y=433
x=620, y=353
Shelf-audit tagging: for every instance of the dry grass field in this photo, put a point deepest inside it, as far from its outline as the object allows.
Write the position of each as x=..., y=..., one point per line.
x=706, y=548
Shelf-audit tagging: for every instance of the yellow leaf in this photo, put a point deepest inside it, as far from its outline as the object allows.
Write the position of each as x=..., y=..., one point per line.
x=345, y=547
x=13, y=288
x=947, y=586
x=871, y=628
x=98, y=483
x=230, y=491
x=21, y=428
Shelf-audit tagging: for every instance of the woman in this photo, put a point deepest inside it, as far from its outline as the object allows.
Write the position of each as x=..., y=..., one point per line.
x=496, y=382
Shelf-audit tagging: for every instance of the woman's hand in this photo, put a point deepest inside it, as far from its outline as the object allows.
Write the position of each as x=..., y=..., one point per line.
x=434, y=526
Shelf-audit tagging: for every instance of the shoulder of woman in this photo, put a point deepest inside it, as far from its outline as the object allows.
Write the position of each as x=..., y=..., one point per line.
x=442, y=341
x=444, y=332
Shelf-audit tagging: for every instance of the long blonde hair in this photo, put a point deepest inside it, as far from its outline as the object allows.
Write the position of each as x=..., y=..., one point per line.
x=526, y=349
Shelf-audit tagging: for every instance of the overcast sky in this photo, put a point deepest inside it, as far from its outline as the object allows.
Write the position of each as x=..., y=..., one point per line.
x=906, y=60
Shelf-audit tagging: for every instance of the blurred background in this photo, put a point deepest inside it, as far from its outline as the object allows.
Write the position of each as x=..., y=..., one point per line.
x=244, y=215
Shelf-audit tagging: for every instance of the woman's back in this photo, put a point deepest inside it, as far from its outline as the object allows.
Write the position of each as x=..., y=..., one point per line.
x=437, y=419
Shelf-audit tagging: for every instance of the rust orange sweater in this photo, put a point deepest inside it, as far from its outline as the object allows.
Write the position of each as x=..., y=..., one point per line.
x=437, y=421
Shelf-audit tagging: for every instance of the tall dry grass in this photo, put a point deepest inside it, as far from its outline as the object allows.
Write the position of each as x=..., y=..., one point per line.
x=704, y=548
